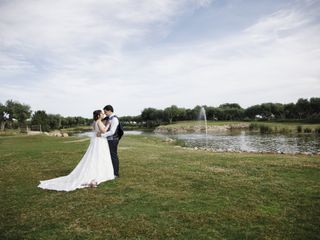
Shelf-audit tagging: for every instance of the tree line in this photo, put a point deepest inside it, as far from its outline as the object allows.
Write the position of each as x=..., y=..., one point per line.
x=307, y=110
x=14, y=114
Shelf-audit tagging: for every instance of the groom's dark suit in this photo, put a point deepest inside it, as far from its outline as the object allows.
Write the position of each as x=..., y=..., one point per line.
x=113, y=142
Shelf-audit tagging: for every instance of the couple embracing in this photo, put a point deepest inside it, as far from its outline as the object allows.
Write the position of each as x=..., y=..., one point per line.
x=100, y=163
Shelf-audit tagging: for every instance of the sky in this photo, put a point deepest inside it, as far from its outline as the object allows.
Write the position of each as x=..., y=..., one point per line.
x=75, y=56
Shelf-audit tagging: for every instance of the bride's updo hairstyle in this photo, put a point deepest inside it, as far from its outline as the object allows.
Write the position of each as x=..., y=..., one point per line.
x=96, y=114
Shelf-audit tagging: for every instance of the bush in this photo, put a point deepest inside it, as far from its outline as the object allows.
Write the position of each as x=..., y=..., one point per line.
x=317, y=130
x=265, y=129
x=307, y=130
x=253, y=126
x=314, y=118
x=299, y=129
x=285, y=130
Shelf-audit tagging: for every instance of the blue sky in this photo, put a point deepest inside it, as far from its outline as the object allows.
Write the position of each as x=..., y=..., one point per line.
x=74, y=56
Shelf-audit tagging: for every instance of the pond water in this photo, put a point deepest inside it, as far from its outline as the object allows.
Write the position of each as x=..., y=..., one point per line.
x=253, y=142
x=242, y=140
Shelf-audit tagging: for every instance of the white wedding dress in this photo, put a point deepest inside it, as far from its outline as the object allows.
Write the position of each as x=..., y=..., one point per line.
x=95, y=167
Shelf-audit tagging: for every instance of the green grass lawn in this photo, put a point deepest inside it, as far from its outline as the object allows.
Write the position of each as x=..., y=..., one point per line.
x=164, y=192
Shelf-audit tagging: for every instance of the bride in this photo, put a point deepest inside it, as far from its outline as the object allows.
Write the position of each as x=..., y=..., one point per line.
x=95, y=166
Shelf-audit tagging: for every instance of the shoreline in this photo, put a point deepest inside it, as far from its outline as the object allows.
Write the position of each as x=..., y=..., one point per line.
x=249, y=152
x=223, y=126
x=200, y=128
x=208, y=149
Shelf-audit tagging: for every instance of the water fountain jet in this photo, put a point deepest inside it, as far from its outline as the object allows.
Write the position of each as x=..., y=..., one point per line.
x=202, y=115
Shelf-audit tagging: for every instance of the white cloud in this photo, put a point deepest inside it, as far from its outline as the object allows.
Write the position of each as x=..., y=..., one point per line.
x=81, y=55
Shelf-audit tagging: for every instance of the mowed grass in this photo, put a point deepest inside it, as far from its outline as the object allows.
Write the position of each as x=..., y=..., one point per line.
x=164, y=192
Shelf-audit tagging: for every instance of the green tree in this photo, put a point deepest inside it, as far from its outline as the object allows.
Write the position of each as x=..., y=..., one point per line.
x=290, y=111
x=40, y=118
x=181, y=116
x=3, y=116
x=171, y=113
x=230, y=111
x=303, y=107
x=253, y=111
x=150, y=116
x=230, y=105
x=266, y=110
x=315, y=105
x=189, y=115
x=195, y=112
x=214, y=113
x=18, y=111
x=54, y=121
x=233, y=113
x=277, y=109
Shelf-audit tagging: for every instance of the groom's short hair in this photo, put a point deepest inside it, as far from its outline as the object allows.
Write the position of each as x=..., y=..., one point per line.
x=108, y=108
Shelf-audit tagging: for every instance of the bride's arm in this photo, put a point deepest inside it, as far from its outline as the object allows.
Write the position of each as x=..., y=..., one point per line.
x=102, y=128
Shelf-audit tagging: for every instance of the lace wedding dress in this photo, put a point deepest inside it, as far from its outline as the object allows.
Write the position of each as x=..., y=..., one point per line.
x=95, y=167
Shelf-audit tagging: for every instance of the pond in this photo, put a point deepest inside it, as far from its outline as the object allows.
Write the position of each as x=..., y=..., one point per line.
x=242, y=140
x=248, y=141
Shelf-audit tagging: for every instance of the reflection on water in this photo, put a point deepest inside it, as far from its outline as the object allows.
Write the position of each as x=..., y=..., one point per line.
x=253, y=141
x=248, y=141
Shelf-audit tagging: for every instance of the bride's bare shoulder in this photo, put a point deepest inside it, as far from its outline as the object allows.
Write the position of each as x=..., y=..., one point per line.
x=101, y=126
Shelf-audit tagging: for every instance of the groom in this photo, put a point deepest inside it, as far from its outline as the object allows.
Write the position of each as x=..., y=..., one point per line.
x=112, y=137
